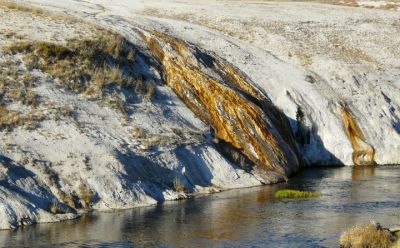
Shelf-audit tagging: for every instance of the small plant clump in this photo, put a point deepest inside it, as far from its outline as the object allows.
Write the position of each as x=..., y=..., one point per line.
x=367, y=236
x=295, y=194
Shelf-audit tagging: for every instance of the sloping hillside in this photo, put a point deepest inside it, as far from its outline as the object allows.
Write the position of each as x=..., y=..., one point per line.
x=316, y=62
x=117, y=104
x=88, y=123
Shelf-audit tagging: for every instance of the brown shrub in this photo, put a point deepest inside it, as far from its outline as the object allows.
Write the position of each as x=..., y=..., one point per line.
x=366, y=236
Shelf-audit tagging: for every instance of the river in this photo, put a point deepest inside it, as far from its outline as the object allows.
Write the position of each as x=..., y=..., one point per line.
x=237, y=218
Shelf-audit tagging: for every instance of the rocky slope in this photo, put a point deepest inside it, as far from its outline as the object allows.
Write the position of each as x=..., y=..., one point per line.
x=146, y=102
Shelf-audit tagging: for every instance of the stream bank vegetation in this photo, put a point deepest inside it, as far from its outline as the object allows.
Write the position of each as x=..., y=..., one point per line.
x=295, y=194
x=369, y=236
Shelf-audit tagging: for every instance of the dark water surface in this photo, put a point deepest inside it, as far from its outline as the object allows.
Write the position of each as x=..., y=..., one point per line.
x=237, y=218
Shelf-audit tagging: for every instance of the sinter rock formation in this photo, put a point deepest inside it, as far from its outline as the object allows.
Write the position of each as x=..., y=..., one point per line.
x=118, y=104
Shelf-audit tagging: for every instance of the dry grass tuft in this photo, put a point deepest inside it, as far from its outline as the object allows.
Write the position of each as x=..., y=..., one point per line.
x=21, y=7
x=366, y=236
x=16, y=84
x=10, y=119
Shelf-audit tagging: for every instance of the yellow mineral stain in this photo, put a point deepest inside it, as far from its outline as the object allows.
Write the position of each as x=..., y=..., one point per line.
x=239, y=113
x=363, y=153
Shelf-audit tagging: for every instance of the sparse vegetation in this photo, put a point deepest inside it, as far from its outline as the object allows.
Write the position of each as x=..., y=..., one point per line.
x=12, y=35
x=367, y=236
x=295, y=194
x=16, y=84
x=138, y=133
x=21, y=7
x=157, y=140
x=117, y=103
x=35, y=11
x=100, y=68
x=177, y=137
x=89, y=66
x=10, y=119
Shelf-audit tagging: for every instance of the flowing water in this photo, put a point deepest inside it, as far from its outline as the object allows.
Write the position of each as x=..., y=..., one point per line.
x=237, y=218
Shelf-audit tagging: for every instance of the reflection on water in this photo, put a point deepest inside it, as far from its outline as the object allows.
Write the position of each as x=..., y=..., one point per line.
x=363, y=173
x=247, y=217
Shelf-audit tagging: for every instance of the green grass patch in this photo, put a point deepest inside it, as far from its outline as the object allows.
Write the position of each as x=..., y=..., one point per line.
x=295, y=194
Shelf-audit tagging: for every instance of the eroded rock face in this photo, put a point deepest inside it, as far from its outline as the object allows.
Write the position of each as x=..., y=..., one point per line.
x=67, y=149
x=250, y=129
x=132, y=151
